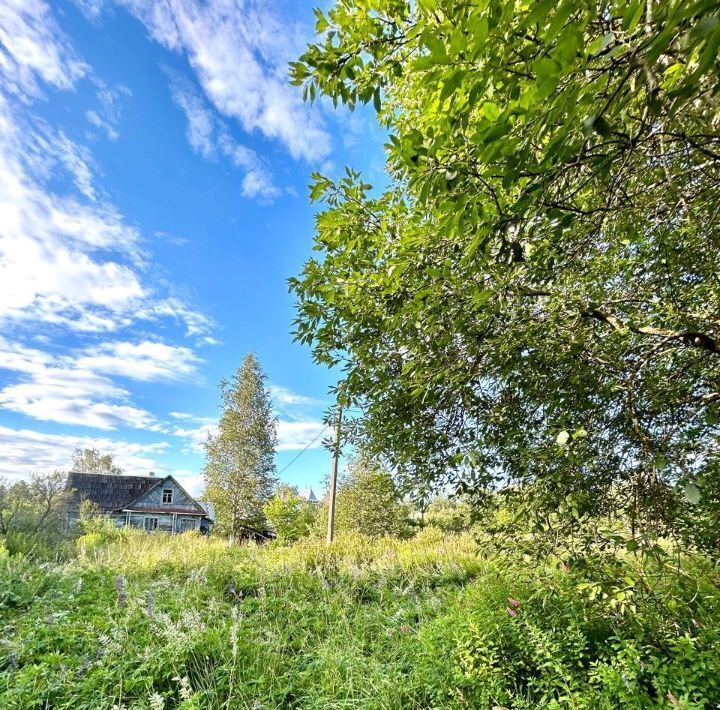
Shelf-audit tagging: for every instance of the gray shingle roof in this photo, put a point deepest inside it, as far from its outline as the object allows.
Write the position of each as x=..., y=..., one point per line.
x=108, y=491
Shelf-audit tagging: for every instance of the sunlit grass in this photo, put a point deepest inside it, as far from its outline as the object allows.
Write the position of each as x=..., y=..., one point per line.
x=140, y=621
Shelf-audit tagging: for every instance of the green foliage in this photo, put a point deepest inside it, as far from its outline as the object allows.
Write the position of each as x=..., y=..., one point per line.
x=534, y=297
x=32, y=514
x=92, y=461
x=240, y=459
x=367, y=502
x=189, y=622
x=95, y=528
x=448, y=514
x=290, y=516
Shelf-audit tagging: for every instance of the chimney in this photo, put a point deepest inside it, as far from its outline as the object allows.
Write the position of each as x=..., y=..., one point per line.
x=152, y=473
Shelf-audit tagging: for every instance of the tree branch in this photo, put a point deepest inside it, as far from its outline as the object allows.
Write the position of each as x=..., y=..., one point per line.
x=688, y=337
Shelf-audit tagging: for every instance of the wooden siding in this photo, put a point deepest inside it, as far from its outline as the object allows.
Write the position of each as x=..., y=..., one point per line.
x=153, y=499
x=183, y=523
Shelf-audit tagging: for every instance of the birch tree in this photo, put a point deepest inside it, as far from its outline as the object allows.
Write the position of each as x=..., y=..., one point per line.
x=240, y=459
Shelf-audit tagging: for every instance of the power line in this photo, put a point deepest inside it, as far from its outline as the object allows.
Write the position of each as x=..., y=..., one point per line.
x=294, y=459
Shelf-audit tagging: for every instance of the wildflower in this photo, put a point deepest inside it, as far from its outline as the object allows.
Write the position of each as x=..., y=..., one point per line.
x=514, y=602
x=511, y=611
x=185, y=689
x=156, y=701
x=234, y=632
x=404, y=629
x=121, y=588
x=149, y=603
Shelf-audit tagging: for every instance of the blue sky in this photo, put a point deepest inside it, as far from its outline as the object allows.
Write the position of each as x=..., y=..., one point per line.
x=154, y=164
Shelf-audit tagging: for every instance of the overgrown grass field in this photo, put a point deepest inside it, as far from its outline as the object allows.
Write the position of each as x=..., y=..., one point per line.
x=146, y=621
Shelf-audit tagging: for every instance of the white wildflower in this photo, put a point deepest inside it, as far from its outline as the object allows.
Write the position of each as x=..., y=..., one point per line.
x=157, y=702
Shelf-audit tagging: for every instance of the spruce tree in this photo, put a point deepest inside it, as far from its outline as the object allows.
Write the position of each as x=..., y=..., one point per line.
x=240, y=459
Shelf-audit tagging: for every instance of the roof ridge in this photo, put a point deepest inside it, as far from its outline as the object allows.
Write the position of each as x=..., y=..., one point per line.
x=118, y=475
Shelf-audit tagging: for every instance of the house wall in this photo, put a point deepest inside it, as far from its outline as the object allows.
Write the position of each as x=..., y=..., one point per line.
x=153, y=499
x=183, y=523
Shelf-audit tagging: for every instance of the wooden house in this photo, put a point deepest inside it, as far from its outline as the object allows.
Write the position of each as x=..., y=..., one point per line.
x=152, y=503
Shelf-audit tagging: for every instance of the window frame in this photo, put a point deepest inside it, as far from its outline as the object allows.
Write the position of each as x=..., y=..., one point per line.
x=148, y=519
x=167, y=493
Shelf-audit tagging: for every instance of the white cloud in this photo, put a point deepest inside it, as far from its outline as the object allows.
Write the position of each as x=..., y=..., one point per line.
x=239, y=52
x=200, y=121
x=285, y=397
x=142, y=361
x=95, y=120
x=24, y=452
x=110, y=107
x=298, y=435
x=197, y=433
x=68, y=259
x=210, y=137
x=71, y=402
x=76, y=389
x=32, y=48
x=292, y=435
x=63, y=261
x=193, y=483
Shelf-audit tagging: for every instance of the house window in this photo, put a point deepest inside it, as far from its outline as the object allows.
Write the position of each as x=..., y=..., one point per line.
x=151, y=524
x=167, y=495
x=187, y=524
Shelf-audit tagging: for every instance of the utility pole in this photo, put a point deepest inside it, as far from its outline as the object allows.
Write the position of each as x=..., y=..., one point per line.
x=333, y=479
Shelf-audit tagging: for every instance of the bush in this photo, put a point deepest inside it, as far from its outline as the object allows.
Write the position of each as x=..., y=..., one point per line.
x=448, y=514
x=290, y=516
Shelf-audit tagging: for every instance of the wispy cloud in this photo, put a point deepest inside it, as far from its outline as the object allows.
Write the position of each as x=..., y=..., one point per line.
x=284, y=397
x=24, y=452
x=239, y=53
x=298, y=435
x=33, y=49
x=67, y=258
x=106, y=116
x=211, y=138
x=194, y=430
x=144, y=361
x=294, y=432
x=76, y=389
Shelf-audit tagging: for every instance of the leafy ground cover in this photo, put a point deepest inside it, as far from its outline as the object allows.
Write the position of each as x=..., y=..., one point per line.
x=151, y=621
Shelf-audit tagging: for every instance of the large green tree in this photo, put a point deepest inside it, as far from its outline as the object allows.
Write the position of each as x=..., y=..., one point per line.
x=93, y=461
x=534, y=299
x=240, y=459
x=368, y=501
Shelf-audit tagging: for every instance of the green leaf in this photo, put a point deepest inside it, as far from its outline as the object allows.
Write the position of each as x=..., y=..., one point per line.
x=633, y=13
x=377, y=103
x=538, y=13
x=452, y=83
x=600, y=44
x=480, y=29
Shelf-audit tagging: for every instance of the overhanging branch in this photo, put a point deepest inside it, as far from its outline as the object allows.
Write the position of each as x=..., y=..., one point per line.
x=688, y=337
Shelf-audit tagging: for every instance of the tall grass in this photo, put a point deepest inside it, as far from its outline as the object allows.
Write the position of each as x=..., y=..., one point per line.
x=150, y=621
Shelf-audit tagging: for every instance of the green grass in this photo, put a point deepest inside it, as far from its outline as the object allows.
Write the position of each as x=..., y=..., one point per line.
x=188, y=622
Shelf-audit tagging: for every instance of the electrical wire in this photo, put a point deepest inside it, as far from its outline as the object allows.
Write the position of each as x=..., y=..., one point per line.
x=297, y=456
